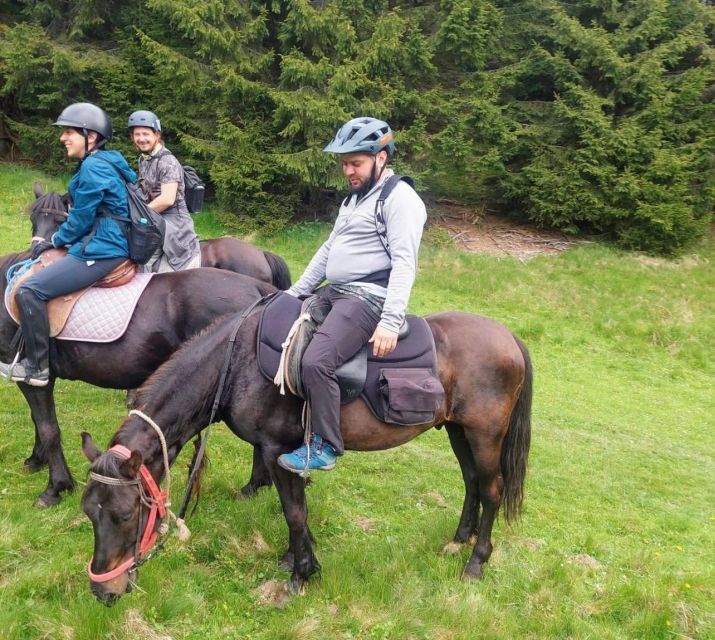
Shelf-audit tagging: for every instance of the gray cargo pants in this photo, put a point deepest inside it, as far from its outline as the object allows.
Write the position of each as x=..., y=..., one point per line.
x=349, y=325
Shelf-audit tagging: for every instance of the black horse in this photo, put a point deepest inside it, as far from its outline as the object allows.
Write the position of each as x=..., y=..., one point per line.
x=50, y=210
x=487, y=376
x=172, y=308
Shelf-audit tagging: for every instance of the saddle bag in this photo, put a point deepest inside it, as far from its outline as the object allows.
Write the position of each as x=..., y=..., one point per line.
x=194, y=189
x=410, y=396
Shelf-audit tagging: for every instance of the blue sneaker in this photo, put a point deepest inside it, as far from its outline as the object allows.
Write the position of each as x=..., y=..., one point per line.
x=322, y=457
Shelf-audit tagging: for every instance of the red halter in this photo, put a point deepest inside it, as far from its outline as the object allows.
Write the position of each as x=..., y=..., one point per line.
x=151, y=497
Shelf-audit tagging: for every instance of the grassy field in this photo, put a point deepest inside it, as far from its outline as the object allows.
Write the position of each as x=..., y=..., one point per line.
x=617, y=538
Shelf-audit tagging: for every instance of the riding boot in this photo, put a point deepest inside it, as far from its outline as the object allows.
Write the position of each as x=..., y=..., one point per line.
x=34, y=368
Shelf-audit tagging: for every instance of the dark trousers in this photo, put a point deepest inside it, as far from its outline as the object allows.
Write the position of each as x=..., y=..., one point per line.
x=349, y=325
x=62, y=276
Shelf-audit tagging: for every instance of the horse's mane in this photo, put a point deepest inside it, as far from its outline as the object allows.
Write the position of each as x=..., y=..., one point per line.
x=107, y=466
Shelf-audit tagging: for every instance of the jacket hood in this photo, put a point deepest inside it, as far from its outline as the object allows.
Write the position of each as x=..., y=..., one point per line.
x=118, y=161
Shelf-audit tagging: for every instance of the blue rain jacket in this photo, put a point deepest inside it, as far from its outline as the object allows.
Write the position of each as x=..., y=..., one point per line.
x=96, y=184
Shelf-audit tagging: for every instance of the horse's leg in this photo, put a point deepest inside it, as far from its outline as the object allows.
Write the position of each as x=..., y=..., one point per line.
x=469, y=520
x=487, y=459
x=48, y=442
x=260, y=476
x=36, y=461
x=291, y=491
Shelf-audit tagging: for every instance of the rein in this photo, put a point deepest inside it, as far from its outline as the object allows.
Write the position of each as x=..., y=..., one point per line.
x=196, y=465
x=150, y=496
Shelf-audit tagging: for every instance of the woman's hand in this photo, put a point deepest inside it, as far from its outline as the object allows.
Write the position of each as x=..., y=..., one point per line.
x=41, y=247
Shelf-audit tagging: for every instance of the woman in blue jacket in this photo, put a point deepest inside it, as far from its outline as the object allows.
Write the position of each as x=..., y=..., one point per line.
x=96, y=244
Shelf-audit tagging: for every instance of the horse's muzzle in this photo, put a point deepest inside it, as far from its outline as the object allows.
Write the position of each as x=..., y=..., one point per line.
x=108, y=593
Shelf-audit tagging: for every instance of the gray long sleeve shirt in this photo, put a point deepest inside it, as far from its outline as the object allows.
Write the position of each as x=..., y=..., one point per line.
x=354, y=251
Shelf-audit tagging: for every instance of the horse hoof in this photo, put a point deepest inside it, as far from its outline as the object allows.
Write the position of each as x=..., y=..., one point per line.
x=33, y=466
x=246, y=492
x=296, y=586
x=452, y=548
x=43, y=502
x=472, y=573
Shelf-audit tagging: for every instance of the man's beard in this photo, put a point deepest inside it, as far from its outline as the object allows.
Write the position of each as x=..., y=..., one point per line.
x=366, y=186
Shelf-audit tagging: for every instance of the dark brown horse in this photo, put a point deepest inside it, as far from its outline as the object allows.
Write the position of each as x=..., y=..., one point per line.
x=49, y=211
x=172, y=308
x=487, y=376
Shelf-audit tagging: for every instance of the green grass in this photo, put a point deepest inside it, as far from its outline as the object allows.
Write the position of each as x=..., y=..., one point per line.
x=618, y=531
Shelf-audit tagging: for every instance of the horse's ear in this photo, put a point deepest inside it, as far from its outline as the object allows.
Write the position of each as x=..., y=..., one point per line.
x=89, y=449
x=37, y=190
x=131, y=466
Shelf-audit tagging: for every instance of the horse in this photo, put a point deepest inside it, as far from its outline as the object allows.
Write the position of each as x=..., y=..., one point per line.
x=49, y=210
x=487, y=376
x=172, y=308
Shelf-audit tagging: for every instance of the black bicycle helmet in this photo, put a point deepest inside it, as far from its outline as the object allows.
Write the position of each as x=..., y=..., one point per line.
x=363, y=135
x=85, y=116
x=146, y=119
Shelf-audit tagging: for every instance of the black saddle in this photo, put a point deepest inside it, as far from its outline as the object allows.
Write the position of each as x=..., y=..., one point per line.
x=363, y=375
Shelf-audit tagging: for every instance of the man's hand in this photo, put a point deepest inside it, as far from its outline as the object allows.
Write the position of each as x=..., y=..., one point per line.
x=41, y=247
x=383, y=341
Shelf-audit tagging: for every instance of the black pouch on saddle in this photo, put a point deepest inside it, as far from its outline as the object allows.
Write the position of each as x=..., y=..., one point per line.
x=410, y=396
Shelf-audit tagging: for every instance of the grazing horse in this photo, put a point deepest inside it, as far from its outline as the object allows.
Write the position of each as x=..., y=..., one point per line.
x=172, y=308
x=50, y=210
x=487, y=377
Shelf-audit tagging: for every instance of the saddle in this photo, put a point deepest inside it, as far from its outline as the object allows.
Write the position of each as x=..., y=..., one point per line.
x=60, y=308
x=401, y=388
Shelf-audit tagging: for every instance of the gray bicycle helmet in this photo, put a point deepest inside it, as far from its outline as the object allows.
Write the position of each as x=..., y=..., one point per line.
x=146, y=119
x=86, y=116
x=363, y=135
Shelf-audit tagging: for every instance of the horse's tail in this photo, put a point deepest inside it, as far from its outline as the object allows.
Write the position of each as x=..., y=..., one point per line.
x=515, y=450
x=279, y=270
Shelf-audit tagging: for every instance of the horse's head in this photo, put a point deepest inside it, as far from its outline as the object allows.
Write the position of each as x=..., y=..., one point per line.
x=125, y=507
x=47, y=212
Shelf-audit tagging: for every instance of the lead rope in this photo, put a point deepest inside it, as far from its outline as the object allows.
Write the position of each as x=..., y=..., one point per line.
x=183, y=532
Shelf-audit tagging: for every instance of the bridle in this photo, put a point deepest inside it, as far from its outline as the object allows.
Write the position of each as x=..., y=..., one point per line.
x=48, y=211
x=150, y=496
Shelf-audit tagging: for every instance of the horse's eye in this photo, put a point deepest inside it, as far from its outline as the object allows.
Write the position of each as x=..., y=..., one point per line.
x=59, y=219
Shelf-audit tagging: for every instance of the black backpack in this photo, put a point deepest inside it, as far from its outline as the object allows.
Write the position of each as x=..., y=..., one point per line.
x=144, y=229
x=194, y=189
x=194, y=186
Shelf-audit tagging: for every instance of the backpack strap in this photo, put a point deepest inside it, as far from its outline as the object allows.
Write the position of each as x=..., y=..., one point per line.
x=380, y=221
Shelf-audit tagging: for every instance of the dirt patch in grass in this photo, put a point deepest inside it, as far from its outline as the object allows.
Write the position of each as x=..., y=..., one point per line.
x=477, y=231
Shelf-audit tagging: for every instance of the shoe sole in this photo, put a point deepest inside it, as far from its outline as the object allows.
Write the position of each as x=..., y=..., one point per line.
x=325, y=467
x=32, y=383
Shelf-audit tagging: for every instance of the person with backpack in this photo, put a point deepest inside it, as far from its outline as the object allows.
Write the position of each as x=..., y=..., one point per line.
x=96, y=243
x=370, y=262
x=161, y=178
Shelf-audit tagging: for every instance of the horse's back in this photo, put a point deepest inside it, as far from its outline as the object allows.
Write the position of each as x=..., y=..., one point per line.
x=232, y=254
x=472, y=348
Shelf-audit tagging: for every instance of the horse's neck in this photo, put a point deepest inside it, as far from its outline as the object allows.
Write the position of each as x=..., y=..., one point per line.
x=137, y=435
x=6, y=262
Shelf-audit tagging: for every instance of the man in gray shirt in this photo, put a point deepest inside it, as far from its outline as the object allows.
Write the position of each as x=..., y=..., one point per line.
x=161, y=177
x=370, y=272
